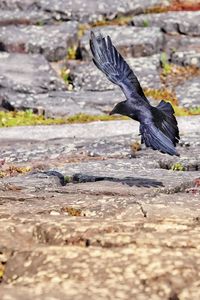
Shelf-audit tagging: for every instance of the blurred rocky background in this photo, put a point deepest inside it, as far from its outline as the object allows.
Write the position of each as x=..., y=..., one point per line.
x=85, y=210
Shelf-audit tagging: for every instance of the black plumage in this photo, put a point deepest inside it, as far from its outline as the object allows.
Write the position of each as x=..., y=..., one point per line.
x=158, y=125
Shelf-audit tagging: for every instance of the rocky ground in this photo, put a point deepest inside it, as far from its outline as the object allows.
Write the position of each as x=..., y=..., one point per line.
x=85, y=211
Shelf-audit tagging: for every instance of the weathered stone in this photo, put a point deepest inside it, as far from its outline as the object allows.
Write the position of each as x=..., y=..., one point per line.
x=116, y=215
x=147, y=70
x=188, y=93
x=29, y=74
x=18, y=4
x=184, y=22
x=58, y=103
x=123, y=170
x=188, y=127
x=85, y=210
x=17, y=17
x=90, y=11
x=50, y=40
x=62, y=103
x=186, y=58
x=100, y=259
x=182, y=43
x=130, y=41
x=92, y=144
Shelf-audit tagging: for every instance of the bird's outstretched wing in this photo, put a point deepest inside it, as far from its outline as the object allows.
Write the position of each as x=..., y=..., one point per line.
x=112, y=64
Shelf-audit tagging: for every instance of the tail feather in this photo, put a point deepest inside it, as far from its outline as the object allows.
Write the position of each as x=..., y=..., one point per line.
x=164, y=119
x=162, y=133
x=157, y=140
x=166, y=107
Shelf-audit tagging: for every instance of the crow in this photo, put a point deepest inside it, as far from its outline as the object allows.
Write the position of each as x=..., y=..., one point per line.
x=158, y=125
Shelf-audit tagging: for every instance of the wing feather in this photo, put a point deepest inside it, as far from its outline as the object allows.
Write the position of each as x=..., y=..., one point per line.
x=111, y=63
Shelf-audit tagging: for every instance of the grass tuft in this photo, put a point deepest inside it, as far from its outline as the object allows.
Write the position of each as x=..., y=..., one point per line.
x=177, y=167
x=166, y=67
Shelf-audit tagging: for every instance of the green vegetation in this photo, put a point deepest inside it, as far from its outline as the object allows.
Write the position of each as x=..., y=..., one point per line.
x=25, y=118
x=177, y=167
x=40, y=23
x=167, y=68
x=28, y=118
x=182, y=111
x=146, y=23
x=22, y=118
x=66, y=76
x=71, y=52
x=68, y=179
x=85, y=118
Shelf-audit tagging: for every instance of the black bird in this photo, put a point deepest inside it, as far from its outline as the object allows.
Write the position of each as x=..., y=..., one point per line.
x=158, y=125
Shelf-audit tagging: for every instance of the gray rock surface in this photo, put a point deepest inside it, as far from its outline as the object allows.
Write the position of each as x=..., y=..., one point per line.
x=53, y=103
x=50, y=40
x=87, y=77
x=90, y=11
x=18, y=4
x=184, y=22
x=178, y=43
x=85, y=210
x=17, y=17
x=27, y=74
x=188, y=93
x=130, y=41
x=186, y=58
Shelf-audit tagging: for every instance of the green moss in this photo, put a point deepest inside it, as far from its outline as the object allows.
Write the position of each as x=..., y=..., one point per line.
x=28, y=118
x=85, y=118
x=177, y=167
x=25, y=118
x=22, y=118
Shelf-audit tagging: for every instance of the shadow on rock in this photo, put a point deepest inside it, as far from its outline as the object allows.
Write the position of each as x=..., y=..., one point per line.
x=130, y=181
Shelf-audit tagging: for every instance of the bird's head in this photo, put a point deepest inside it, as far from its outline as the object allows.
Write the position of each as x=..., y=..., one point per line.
x=121, y=108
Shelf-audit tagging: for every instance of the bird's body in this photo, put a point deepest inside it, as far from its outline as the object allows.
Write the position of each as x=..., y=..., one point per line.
x=158, y=125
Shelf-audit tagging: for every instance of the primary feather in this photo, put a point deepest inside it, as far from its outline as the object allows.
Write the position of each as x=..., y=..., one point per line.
x=112, y=64
x=158, y=125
